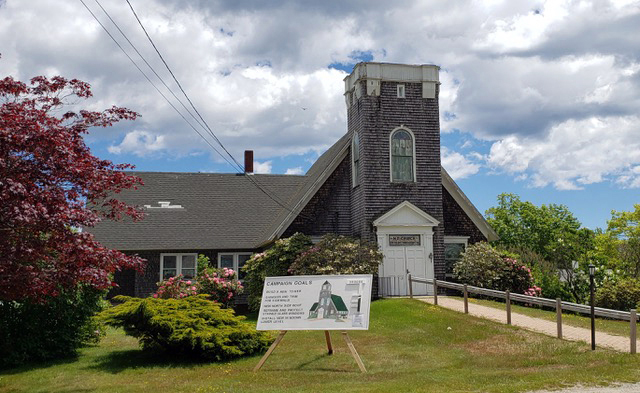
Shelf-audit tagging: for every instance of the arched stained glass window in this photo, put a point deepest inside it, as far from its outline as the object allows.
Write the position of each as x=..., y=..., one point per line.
x=402, y=156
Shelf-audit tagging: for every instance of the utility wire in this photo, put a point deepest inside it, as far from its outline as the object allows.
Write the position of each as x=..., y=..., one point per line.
x=252, y=180
x=179, y=85
x=151, y=82
x=147, y=63
x=206, y=125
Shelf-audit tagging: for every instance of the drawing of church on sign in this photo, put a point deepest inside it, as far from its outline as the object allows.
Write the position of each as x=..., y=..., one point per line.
x=328, y=305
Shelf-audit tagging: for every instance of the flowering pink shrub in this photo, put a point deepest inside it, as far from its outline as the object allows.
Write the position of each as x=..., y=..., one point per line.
x=533, y=291
x=221, y=285
x=175, y=288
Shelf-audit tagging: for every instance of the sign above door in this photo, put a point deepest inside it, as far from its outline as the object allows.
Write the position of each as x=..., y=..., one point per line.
x=404, y=240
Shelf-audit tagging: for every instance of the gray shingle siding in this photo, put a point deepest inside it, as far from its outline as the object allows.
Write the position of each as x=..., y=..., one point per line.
x=374, y=118
x=456, y=221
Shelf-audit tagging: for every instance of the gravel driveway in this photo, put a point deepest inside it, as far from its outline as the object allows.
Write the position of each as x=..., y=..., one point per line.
x=620, y=388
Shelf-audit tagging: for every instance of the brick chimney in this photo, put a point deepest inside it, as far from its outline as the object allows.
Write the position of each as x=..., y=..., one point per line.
x=248, y=161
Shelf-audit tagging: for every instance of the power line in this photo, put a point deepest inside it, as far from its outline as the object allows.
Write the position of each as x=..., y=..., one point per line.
x=151, y=82
x=206, y=125
x=254, y=181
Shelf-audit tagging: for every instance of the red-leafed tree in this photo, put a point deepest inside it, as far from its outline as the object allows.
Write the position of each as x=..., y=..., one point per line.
x=51, y=186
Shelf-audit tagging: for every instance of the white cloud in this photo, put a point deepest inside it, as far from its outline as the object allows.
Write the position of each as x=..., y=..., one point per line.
x=457, y=165
x=140, y=143
x=531, y=77
x=575, y=153
x=262, y=167
x=295, y=171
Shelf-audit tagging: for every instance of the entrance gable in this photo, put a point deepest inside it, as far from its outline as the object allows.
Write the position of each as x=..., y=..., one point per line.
x=406, y=214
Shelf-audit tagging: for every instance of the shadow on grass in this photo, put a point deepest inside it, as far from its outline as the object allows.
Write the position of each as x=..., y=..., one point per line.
x=118, y=361
x=36, y=365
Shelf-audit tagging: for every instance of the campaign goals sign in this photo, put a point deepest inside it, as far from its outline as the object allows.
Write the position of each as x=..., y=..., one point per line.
x=316, y=303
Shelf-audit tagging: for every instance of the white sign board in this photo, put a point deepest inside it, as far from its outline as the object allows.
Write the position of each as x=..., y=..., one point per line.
x=316, y=303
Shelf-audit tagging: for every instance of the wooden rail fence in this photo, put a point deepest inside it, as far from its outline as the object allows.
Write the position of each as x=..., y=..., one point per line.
x=558, y=304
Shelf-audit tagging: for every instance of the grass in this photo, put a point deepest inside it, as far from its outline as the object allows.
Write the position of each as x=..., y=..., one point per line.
x=410, y=347
x=619, y=328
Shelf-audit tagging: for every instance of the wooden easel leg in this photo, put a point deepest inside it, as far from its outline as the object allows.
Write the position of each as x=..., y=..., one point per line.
x=354, y=352
x=271, y=348
x=327, y=336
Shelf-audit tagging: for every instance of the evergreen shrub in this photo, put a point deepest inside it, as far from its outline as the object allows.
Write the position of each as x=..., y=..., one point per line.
x=192, y=327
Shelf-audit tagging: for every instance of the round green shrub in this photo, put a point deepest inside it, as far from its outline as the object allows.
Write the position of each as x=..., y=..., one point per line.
x=483, y=266
x=192, y=327
x=336, y=254
x=622, y=294
x=53, y=329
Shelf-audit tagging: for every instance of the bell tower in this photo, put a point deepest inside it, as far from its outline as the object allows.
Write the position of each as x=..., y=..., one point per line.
x=393, y=117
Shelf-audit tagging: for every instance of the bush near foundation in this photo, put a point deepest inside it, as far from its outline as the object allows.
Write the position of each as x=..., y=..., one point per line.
x=483, y=266
x=192, y=327
x=273, y=262
x=338, y=255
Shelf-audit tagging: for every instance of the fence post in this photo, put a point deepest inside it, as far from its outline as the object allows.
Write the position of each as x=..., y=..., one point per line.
x=508, y=308
x=435, y=291
x=410, y=286
x=466, y=300
x=632, y=336
x=559, y=316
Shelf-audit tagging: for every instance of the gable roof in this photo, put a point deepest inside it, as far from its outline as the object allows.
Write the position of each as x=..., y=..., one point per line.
x=228, y=211
x=468, y=207
x=339, y=303
x=315, y=178
x=410, y=213
x=219, y=211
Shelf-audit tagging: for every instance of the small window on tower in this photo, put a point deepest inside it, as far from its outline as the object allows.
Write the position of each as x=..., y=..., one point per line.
x=400, y=91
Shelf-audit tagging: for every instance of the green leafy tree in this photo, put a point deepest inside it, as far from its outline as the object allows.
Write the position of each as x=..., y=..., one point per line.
x=623, y=233
x=550, y=230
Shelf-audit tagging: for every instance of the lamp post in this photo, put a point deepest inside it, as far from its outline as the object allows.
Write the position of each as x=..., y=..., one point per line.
x=592, y=272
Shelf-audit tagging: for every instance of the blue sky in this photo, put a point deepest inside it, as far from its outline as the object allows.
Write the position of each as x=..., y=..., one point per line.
x=539, y=98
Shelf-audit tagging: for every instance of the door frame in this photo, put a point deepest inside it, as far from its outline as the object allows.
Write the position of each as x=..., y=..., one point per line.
x=407, y=218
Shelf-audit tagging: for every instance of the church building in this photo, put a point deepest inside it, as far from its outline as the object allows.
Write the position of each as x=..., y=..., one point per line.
x=382, y=182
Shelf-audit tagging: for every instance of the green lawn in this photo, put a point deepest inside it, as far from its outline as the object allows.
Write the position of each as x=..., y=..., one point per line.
x=620, y=328
x=411, y=347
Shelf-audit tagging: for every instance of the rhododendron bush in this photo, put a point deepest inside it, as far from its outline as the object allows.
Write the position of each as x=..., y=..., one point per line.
x=50, y=185
x=483, y=266
x=221, y=285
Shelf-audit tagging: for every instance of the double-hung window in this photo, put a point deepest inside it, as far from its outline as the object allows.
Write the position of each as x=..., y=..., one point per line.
x=454, y=246
x=172, y=265
x=234, y=260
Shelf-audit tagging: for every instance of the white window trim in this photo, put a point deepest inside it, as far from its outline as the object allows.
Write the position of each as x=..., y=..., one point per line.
x=235, y=259
x=401, y=91
x=354, y=178
x=178, y=262
x=457, y=239
x=413, y=137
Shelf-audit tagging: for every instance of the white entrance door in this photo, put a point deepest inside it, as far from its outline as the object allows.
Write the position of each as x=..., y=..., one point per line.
x=405, y=237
